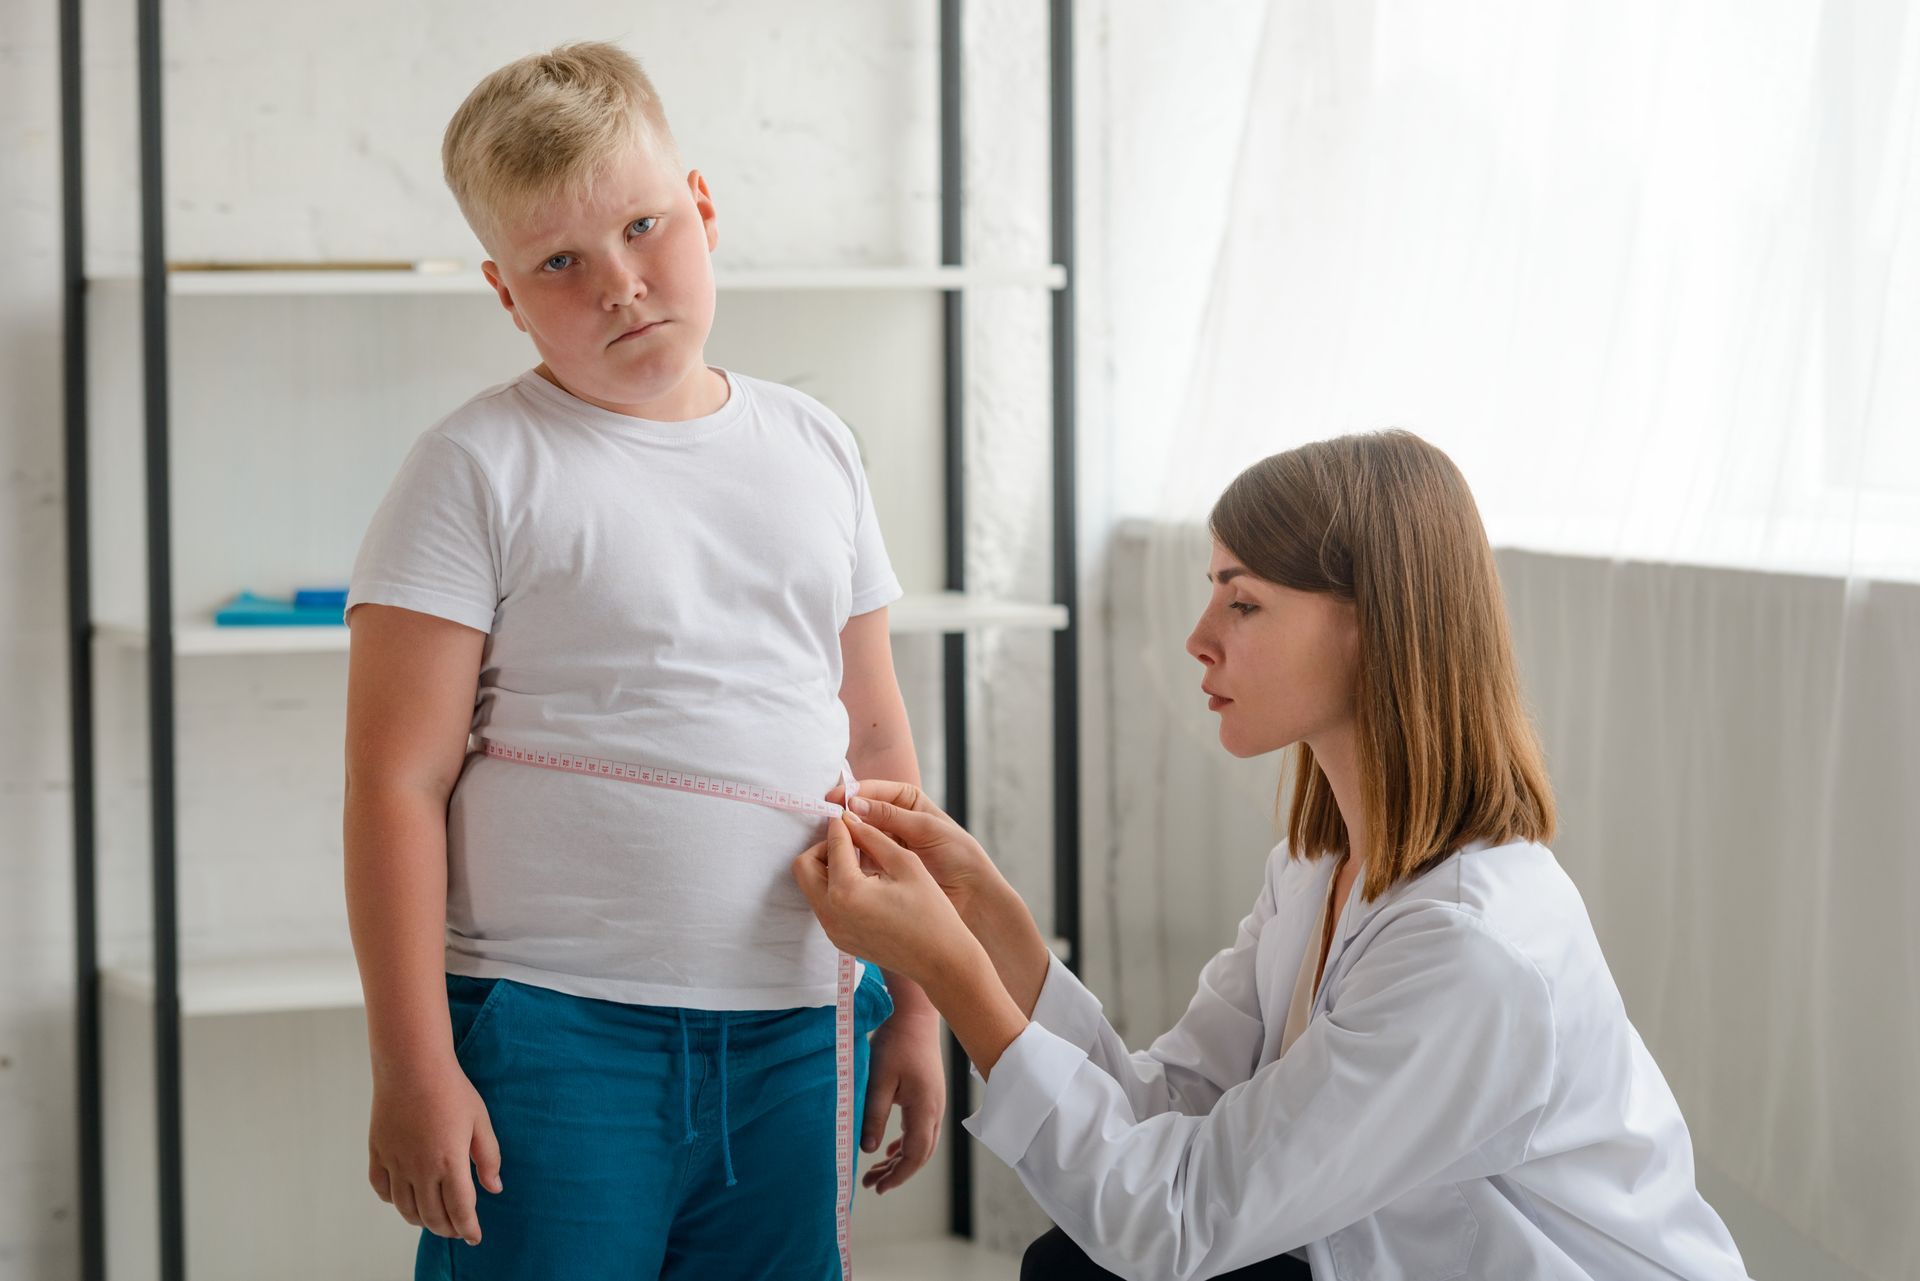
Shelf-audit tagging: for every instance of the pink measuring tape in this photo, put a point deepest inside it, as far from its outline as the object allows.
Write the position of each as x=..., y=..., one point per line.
x=726, y=789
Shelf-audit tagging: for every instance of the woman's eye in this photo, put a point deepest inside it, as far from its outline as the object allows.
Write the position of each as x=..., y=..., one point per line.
x=559, y=258
x=1242, y=606
x=643, y=229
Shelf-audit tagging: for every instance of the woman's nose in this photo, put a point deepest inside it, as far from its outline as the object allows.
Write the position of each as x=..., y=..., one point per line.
x=1200, y=644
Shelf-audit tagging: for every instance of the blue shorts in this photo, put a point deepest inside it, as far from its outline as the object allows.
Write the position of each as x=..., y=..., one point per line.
x=610, y=1121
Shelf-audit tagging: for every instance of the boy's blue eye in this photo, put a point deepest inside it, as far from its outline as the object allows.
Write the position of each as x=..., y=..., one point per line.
x=563, y=259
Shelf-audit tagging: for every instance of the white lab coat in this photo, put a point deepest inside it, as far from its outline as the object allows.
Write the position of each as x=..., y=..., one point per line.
x=1468, y=1099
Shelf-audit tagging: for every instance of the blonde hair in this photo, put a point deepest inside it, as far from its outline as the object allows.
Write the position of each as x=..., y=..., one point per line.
x=1446, y=750
x=544, y=128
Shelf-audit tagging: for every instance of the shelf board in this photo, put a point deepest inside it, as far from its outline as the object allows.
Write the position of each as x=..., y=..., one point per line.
x=251, y=985
x=743, y=279
x=201, y=639
x=936, y=613
x=284, y=984
x=942, y=613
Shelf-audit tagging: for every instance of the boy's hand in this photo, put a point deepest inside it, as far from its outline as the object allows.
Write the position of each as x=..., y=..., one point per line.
x=425, y=1130
x=906, y=1069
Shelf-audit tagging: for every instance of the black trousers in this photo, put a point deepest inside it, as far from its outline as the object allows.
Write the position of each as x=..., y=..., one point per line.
x=1054, y=1257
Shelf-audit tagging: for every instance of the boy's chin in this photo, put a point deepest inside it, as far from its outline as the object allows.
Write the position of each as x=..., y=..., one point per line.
x=635, y=383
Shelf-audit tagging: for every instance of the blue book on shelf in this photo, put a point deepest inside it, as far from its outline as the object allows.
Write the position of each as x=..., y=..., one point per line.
x=249, y=610
x=320, y=597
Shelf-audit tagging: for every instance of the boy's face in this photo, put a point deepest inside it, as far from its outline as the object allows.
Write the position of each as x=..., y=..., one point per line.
x=580, y=276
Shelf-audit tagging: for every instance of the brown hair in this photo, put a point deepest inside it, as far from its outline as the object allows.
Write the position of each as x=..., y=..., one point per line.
x=1447, y=752
x=543, y=127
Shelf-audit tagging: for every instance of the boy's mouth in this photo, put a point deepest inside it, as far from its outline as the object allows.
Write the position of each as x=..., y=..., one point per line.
x=637, y=330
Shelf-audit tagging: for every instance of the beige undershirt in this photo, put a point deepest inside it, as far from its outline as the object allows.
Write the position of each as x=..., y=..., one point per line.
x=1307, y=981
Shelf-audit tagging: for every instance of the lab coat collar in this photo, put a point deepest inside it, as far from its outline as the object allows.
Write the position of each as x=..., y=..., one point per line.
x=1358, y=912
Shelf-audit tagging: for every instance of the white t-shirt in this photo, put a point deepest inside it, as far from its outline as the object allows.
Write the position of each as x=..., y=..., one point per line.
x=663, y=593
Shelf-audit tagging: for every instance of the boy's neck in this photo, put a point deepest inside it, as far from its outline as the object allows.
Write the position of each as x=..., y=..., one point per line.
x=703, y=392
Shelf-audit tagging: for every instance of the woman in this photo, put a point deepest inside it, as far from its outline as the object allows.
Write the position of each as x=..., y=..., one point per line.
x=1413, y=1062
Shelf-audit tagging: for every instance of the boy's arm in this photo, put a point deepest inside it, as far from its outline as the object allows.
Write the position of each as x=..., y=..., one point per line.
x=880, y=742
x=411, y=682
x=907, y=1066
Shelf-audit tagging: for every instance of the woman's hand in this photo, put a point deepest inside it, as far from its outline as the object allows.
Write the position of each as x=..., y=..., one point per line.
x=878, y=901
x=948, y=850
x=992, y=912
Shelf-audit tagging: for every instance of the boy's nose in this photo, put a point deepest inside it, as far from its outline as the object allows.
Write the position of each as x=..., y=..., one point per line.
x=622, y=288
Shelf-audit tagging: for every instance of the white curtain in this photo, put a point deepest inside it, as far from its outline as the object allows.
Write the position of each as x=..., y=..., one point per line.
x=1650, y=272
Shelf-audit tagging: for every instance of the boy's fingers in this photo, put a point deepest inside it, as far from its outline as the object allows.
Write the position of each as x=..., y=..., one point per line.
x=382, y=1182
x=873, y=1126
x=433, y=1209
x=920, y=1140
x=459, y=1198
x=485, y=1152
x=403, y=1201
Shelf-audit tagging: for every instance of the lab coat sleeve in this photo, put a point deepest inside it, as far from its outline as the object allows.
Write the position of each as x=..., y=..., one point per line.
x=1213, y=1047
x=1438, y=1046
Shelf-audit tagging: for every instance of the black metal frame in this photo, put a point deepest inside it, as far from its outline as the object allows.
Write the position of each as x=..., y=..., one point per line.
x=80, y=651
x=166, y=987
x=954, y=644
x=1066, y=587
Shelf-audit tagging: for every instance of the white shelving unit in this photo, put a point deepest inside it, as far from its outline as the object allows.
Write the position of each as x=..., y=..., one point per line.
x=282, y=984
x=916, y=614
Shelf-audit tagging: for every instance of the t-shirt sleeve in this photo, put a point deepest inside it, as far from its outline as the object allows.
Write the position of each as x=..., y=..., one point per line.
x=431, y=545
x=874, y=583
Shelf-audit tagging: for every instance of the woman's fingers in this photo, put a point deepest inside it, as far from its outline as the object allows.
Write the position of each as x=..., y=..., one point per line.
x=904, y=795
x=915, y=827
x=810, y=870
x=842, y=859
x=878, y=846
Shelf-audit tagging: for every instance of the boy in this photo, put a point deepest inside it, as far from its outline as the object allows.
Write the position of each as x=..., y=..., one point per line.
x=609, y=997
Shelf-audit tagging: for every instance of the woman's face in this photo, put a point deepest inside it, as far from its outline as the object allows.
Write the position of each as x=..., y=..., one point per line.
x=1279, y=664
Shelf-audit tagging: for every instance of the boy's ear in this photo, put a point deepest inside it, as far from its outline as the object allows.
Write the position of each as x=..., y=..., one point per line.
x=703, y=202
x=491, y=270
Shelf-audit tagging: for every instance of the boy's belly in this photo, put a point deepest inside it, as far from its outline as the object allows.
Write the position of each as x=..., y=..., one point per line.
x=631, y=893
